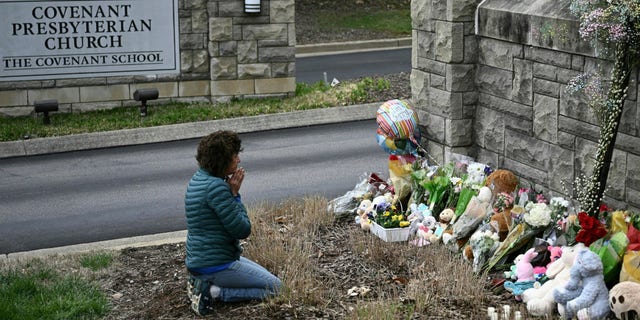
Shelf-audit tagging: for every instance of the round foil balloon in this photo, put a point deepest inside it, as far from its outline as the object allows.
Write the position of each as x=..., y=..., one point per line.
x=397, y=120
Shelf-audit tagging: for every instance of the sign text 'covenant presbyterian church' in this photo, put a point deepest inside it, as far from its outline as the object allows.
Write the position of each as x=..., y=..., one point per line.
x=74, y=39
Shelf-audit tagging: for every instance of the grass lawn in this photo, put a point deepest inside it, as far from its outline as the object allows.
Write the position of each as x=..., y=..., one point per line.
x=318, y=95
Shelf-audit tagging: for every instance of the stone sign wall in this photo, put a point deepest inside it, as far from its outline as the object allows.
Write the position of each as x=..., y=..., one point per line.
x=491, y=84
x=224, y=52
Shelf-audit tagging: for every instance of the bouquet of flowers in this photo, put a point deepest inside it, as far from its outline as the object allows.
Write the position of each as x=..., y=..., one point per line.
x=535, y=219
x=483, y=245
x=472, y=180
x=559, y=213
x=502, y=202
x=437, y=184
x=591, y=229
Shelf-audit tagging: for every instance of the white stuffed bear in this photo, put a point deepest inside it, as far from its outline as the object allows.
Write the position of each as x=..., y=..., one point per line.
x=539, y=299
x=585, y=295
x=425, y=231
x=363, y=210
x=625, y=297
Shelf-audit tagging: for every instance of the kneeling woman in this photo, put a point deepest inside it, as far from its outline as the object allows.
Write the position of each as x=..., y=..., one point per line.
x=216, y=221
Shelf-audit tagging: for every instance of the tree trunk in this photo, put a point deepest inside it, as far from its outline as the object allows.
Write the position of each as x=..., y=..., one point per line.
x=609, y=128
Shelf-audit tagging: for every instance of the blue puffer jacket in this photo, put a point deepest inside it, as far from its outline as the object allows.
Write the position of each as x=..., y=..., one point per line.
x=216, y=222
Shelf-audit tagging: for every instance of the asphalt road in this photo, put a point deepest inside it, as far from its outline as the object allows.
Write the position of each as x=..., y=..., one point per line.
x=86, y=196
x=353, y=65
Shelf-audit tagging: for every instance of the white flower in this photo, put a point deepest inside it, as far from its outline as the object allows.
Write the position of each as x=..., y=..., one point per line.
x=476, y=169
x=537, y=215
x=455, y=180
x=475, y=174
x=484, y=236
x=559, y=202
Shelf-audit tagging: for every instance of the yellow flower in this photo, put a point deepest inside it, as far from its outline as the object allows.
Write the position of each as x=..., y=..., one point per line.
x=404, y=224
x=387, y=213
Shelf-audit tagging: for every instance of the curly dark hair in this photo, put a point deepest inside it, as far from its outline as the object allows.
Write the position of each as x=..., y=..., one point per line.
x=216, y=151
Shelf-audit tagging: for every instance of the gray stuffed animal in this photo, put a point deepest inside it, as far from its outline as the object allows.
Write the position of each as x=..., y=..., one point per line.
x=585, y=295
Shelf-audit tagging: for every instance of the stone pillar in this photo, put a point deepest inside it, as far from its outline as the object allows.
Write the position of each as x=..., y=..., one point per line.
x=443, y=73
x=251, y=55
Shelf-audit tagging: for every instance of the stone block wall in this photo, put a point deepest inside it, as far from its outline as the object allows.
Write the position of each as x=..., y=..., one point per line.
x=224, y=53
x=498, y=94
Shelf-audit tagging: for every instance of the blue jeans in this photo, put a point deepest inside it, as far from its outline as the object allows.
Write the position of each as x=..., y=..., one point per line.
x=244, y=280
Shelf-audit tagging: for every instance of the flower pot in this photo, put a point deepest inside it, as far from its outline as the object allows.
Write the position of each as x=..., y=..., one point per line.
x=390, y=234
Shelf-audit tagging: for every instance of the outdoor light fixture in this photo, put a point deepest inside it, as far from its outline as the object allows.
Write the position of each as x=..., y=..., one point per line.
x=143, y=95
x=46, y=106
x=252, y=6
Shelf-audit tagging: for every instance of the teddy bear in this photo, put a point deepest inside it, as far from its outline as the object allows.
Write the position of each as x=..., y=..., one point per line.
x=363, y=210
x=539, y=299
x=501, y=222
x=625, y=297
x=502, y=180
x=425, y=231
x=585, y=294
x=446, y=218
x=524, y=274
x=477, y=209
x=417, y=215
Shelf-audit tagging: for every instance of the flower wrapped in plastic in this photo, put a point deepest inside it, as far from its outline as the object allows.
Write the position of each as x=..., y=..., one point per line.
x=476, y=174
x=535, y=219
x=465, y=195
x=611, y=252
x=472, y=179
x=477, y=210
x=631, y=260
x=502, y=202
x=559, y=212
x=437, y=183
x=483, y=244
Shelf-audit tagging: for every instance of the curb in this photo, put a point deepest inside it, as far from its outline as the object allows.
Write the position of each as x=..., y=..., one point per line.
x=109, y=245
x=353, y=46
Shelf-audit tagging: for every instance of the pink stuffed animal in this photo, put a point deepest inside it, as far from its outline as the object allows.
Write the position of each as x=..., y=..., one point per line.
x=552, y=254
x=524, y=268
x=524, y=273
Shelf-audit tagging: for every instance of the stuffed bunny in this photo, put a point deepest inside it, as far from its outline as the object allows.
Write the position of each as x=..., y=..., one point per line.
x=524, y=273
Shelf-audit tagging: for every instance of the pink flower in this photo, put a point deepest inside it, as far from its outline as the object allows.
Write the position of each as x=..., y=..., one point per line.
x=540, y=198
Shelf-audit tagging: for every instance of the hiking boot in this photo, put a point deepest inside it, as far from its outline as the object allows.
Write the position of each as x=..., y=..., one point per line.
x=199, y=295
